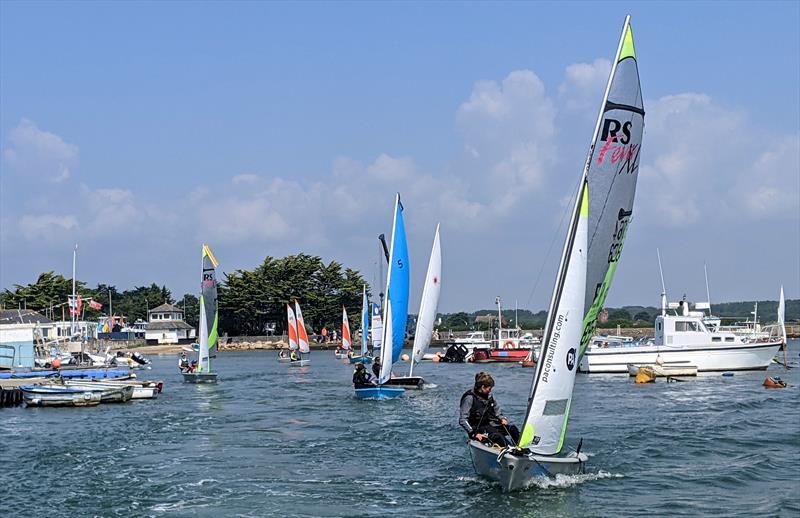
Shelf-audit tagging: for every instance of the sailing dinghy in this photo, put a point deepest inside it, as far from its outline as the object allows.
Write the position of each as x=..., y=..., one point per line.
x=345, y=337
x=208, y=316
x=302, y=339
x=365, y=314
x=395, y=310
x=426, y=317
x=601, y=213
x=291, y=334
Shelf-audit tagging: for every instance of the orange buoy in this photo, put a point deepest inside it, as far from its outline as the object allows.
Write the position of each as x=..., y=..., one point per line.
x=56, y=363
x=774, y=382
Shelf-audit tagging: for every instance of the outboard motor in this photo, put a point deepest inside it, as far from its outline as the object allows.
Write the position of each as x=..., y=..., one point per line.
x=138, y=358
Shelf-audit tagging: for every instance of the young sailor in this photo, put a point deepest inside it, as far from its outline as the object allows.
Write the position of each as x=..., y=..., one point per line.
x=361, y=378
x=480, y=415
x=376, y=367
x=183, y=363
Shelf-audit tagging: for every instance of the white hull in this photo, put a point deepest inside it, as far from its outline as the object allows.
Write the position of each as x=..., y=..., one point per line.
x=299, y=363
x=517, y=472
x=709, y=357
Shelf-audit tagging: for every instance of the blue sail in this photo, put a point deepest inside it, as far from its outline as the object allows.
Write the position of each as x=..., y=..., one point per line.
x=397, y=291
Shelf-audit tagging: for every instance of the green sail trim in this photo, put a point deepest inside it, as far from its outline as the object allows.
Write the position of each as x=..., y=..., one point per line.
x=213, y=336
x=527, y=435
x=628, y=51
x=564, y=426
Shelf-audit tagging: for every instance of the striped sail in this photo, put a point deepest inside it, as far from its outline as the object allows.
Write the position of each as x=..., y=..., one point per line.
x=345, y=330
x=208, y=310
x=397, y=282
x=548, y=409
x=429, y=304
x=782, y=316
x=292, y=328
x=364, y=320
x=302, y=336
x=612, y=168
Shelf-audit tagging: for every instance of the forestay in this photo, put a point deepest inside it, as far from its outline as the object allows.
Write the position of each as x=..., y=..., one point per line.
x=612, y=168
x=396, y=305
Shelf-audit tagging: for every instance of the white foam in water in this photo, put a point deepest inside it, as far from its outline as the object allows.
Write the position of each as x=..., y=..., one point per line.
x=570, y=480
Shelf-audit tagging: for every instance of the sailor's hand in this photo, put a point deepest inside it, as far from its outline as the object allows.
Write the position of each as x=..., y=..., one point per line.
x=480, y=436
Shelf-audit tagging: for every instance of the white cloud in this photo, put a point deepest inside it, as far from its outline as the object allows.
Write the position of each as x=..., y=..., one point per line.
x=59, y=227
x=245, y=179
x=38, y=154
x=584, y=84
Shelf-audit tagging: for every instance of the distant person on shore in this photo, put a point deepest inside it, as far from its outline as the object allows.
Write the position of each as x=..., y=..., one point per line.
x=376, y=367
x=480, y=415
x=362, y=378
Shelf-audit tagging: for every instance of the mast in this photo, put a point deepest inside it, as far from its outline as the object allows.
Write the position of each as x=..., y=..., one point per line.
x=386, y=338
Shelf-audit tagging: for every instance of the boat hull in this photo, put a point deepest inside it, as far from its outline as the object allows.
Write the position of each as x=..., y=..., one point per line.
x=41, y=396
x=731, y=357
x=199, y=377
x=299, y=363
x=141, y=390
x=514, y=472
x=379, y=393
x=406, y=382
x=284, y=360
x=499, y=355
x=341, y=356
x=363, y=359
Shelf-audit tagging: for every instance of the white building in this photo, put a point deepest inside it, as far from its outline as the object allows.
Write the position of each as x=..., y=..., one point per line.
x=166, y=326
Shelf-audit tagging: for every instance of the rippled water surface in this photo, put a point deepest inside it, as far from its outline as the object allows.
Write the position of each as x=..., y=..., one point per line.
x=270, y=440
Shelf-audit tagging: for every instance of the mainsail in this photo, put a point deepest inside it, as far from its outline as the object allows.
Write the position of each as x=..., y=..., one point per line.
x=782, y=317
x=208, y=310
x=396, y=306
x=364, y=320
x=377, y=327
x=345, y=330
x=429, y=304
x=292, y=330
x=601, y=214
x=612, y=168
x=302, y=336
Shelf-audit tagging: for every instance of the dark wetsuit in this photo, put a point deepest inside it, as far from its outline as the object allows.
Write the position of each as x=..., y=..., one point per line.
x=481, y=414
x=361, y=378
x=376, y=369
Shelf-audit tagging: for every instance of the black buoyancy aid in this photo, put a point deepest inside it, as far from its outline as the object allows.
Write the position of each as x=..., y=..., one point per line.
x=360, y=377
x=482, y=412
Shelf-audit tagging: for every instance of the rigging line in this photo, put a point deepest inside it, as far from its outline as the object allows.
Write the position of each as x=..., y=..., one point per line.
x=556, y=234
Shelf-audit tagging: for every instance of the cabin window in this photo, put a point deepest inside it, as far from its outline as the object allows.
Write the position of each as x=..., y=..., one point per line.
x=729, y=339
x=658, y=326
x=716, y=339
x=686, y=326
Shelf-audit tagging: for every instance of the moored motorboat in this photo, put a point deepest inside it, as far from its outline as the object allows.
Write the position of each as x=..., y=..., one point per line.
x=141, y=390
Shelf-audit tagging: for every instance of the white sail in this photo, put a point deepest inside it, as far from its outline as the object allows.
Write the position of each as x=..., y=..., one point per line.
x=601, y=214
x=302, y=336
x=782, y=316
x=548, y=408
x=291, y=330
x=429, y=304
x=208, y=310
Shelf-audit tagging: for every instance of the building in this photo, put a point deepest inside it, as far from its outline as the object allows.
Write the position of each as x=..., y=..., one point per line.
x=18, y=330
x=166, y=326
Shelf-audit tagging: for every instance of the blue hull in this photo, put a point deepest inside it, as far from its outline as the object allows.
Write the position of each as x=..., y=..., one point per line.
x=379, y=393
x=362, y=359
x=71, y=373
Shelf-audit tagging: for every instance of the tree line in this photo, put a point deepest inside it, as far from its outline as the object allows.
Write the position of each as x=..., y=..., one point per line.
x=251, y=302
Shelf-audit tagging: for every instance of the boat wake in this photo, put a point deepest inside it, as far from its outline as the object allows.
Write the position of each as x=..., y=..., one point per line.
x=560, y=481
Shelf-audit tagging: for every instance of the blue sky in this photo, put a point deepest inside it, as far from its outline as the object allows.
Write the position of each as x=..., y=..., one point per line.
x=141, y=130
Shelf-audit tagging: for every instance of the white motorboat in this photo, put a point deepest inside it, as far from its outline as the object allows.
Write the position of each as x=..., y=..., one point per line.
x=35, y=395
x=683, y=338
x=141, y=389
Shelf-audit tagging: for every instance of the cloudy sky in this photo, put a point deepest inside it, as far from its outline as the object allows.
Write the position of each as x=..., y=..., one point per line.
x=142, y=130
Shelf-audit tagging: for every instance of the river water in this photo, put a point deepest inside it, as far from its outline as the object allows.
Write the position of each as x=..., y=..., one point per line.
x=270, y=440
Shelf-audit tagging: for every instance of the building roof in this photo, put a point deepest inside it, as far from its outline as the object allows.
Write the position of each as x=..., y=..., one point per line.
x=167, y=325
x=22, y=316
x=165, y=308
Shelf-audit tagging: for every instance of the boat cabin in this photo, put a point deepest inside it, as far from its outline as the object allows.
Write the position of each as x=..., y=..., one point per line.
x=686, y=327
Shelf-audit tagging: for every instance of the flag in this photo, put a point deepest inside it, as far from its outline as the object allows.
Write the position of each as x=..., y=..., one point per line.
x=95, y=305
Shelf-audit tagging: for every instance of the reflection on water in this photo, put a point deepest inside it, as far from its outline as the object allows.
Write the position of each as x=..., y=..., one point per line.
x=268, y=437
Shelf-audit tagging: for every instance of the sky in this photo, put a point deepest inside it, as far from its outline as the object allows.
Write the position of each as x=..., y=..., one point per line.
x=142, y=130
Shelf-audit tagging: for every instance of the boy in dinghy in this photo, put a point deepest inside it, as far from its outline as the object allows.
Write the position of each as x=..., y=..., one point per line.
x=362, y=378
x=481, y=417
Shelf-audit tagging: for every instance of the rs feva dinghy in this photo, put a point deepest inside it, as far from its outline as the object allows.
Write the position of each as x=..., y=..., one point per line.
x=601, y=212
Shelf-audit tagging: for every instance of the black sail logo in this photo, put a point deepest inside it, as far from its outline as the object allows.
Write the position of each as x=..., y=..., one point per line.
x=571, y=359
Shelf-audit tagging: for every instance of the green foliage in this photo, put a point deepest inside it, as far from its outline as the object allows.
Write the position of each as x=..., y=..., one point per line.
x=49, y=290
x=250, y=300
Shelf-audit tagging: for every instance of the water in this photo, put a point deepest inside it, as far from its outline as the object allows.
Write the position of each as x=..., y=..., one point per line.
x=270, y=440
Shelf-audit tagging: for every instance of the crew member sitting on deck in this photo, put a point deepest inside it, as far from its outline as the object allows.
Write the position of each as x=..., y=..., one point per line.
x=376, y=367
x=480, y=414
x=362, y=378
x=183, y=363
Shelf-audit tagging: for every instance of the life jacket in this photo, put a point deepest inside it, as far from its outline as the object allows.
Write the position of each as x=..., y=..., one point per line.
x=360, y=377
x=482, y=412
